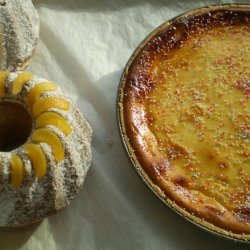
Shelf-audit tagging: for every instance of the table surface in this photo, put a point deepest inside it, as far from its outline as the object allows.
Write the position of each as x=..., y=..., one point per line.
x=84, y=46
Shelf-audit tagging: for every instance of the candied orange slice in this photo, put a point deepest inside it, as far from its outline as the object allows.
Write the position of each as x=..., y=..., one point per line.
x=41, y=105
x=3, y=78
x=17, y=170
x=20, y=81
x=38, y=159
x=49, y=137
x=35, y=92
x=54, y=119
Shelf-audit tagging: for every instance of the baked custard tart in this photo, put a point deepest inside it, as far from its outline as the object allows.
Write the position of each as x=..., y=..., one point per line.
x=183, y=112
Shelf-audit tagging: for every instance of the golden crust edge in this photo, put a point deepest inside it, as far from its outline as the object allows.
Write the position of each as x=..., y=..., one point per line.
x=155, y=188
x=160, y=193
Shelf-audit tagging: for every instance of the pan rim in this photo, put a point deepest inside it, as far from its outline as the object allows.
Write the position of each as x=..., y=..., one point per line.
x=205, y=226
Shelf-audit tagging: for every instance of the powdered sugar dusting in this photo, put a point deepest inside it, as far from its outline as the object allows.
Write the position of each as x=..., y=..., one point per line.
x=36, y=199
x=19, y=31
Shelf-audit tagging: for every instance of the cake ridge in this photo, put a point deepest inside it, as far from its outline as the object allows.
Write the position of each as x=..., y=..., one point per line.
x=36, y=198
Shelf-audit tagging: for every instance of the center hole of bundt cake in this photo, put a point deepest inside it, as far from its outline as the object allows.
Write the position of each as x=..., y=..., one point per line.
x=15, y=125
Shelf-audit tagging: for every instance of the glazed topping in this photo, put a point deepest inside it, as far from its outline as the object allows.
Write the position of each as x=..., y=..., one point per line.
x=38, y=159
x=20, y=81
x=35, y=92
x=44, y=104
x=49, y=137
x=17, y=170
x=190, y=89
x=54, y=119
x=3, y=78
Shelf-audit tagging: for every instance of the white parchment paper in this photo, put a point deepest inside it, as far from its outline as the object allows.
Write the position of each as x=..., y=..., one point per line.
x=84, y=46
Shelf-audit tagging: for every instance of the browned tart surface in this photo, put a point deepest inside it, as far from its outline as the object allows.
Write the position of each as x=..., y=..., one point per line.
x=185, y=111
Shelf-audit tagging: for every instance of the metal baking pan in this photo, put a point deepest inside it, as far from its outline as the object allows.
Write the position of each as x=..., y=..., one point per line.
x=208, y=227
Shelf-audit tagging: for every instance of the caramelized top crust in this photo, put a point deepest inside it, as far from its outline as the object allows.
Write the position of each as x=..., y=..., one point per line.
x=186, y=105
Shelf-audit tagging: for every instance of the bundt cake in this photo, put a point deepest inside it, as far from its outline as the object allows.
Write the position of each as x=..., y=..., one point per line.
x=19, y=31
x=44, y=149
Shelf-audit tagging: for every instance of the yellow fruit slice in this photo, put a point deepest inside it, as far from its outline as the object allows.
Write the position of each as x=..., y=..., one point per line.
x=20, y=81
x=3, y=78
x=49, y=137
x=38, y=159
x=54, y=119
x=43, y=104
x=35, y=92
x=17, y=170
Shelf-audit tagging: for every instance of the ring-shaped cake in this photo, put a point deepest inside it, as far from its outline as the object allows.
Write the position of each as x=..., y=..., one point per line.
x=19, y=33
x=44, y=149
